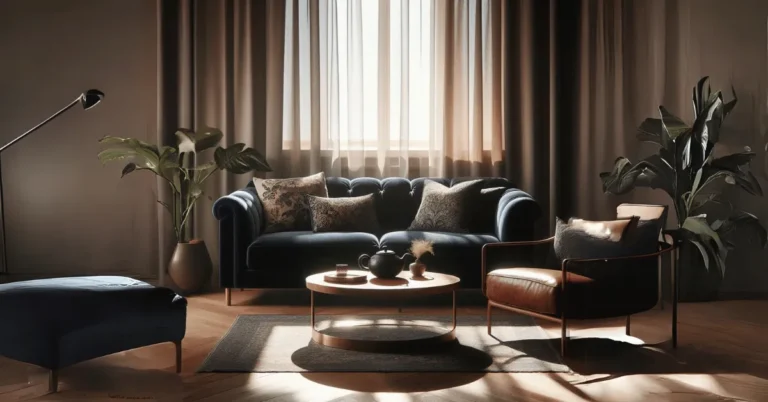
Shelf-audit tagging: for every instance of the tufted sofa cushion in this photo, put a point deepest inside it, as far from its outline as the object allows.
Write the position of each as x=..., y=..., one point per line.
x=401, y=197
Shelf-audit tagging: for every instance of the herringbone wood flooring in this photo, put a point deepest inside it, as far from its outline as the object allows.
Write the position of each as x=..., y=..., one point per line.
x=723, y=355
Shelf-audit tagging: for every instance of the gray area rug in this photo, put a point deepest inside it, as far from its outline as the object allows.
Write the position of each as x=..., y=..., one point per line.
x=282, y=343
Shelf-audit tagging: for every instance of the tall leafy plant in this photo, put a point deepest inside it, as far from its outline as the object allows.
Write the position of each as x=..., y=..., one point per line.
x=687, y=169
x=178, y=168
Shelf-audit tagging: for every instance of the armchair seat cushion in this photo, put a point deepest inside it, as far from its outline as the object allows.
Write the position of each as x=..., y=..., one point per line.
x=534, y=289
x=291, y=255
x=540, y=290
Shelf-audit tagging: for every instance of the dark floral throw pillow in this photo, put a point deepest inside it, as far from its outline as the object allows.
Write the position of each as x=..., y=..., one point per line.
x=285, y=202
x=445, y=209
x=346, y=214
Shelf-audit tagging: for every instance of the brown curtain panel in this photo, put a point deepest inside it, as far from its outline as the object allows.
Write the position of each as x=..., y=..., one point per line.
x=220, y=65
x=580, y=76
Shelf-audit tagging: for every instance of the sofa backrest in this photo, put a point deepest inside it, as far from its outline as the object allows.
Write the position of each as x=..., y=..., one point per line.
x=401, y=197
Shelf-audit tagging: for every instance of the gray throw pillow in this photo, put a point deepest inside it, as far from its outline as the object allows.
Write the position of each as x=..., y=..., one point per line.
x=446, y=209
x=624, y=237
x=346, y=214
x=285, y=202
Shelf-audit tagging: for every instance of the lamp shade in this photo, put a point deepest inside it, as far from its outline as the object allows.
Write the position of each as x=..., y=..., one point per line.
x=91, y=98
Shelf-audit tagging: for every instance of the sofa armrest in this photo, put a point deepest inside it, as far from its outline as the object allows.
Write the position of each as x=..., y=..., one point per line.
x=516, y=215
x=240, y=215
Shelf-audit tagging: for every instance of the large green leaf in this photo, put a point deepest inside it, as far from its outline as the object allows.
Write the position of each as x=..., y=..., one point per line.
x=710, y=239
x=742, y=219
x=728, y=107
x=699, y=97
x=672, y=125
x=737, y=166
x=652, y=172
x=238, y=159
x=193, y=142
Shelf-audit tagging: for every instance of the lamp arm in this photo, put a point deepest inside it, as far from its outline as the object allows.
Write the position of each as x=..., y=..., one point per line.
x=44, y=122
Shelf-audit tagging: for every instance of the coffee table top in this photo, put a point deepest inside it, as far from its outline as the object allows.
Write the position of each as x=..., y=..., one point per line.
x=403, y=285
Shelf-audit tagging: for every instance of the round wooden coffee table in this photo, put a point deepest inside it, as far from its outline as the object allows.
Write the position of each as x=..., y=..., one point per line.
x=401, y=287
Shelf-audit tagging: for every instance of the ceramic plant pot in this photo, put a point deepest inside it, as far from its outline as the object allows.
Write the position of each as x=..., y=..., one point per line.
x=190, y=267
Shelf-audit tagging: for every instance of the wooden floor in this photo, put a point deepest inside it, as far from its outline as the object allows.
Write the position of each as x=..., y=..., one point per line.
x=723, y=355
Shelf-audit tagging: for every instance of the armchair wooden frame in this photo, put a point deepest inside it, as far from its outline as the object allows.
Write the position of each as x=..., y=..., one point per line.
x=664, y=247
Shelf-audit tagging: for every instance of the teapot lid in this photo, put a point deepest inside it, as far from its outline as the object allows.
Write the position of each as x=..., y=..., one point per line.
x=385, y=251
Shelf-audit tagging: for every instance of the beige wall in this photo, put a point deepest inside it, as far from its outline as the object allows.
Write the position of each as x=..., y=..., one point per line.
x=65, y=213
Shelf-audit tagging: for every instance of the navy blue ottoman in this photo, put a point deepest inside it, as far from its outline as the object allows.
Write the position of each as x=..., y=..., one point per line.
x=54, y=323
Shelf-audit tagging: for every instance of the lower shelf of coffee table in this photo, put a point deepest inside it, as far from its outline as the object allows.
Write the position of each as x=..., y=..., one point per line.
x=383, y=338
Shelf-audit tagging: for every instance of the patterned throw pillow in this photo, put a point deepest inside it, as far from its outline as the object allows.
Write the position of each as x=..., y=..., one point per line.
x=580, y=239
x=285, y=203
x=446, y=209
x=347, y=214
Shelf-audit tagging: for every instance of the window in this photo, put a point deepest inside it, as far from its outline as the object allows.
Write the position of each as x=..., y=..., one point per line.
x=359, y=70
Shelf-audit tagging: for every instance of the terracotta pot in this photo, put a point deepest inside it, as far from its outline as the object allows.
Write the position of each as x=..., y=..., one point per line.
x=190, y=267
x=417, y=269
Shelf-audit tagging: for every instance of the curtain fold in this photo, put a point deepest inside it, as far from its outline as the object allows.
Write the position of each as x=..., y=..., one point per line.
x=579, y=78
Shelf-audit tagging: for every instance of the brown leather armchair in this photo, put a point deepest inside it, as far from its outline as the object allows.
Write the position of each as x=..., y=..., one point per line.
x=580, y=288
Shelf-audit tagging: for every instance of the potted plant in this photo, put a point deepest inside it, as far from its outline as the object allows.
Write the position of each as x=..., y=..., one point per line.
x=190, y=267
x=421, y=251
x=688, y=170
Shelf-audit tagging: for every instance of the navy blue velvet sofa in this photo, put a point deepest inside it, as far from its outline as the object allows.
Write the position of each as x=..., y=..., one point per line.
x=250, y=259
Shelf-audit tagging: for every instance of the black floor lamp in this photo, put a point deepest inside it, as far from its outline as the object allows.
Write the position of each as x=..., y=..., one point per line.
x=87, y=99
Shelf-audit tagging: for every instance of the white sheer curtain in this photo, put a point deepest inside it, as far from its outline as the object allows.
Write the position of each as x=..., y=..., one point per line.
x=392, y=87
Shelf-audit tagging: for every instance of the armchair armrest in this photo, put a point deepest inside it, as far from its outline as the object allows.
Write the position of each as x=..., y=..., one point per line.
x=240, y=215
x=516, y=214
x=628, y=268
x=531, y=244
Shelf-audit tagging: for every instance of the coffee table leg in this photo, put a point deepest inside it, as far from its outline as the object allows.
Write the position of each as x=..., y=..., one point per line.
x=312, y=309
x=454, y=310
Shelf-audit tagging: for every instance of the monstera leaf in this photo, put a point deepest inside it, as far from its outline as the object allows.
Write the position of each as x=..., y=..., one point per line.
x=193, y=142
x=239, y=159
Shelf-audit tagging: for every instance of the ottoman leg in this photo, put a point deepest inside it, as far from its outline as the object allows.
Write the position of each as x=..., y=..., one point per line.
x=228, y=296
x=53, y=381
x=178, y=356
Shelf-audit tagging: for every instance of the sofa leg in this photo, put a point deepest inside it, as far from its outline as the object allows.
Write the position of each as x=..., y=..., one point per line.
x=228, y=296
x=628, y=324
x=488, y=317
x=53, y=381
x=178, y=356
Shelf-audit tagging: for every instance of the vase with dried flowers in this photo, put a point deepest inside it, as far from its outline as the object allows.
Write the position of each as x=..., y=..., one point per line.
x=420, y=249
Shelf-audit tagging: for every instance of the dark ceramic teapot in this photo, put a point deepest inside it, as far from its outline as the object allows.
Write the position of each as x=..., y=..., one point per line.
x=385, y=264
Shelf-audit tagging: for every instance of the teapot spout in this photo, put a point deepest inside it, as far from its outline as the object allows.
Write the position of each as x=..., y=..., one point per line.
x=407, y=258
